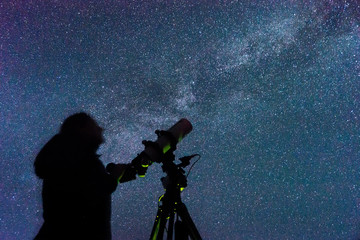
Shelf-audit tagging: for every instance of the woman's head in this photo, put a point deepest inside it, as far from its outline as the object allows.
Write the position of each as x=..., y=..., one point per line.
x=83, y=126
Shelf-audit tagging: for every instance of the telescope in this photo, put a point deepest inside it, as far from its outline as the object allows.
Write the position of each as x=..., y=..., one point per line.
x=154, y=152
x=172, y=213
x=167, y=141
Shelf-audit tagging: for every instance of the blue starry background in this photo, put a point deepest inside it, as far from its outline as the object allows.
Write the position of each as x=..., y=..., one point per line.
x=272, y=89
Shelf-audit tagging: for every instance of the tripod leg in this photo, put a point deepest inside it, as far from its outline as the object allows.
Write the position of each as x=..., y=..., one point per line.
x=170, y=226
x=181, y=232
x=187, y=222
x=159, y=225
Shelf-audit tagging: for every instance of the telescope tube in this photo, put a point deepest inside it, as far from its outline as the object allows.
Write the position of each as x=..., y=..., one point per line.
x=168, y=141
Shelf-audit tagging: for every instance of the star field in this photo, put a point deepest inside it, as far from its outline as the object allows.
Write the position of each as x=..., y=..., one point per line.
x=272, y=89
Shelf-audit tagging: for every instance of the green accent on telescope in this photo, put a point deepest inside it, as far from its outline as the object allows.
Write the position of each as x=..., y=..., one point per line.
x=180, y=138
x=119, y=178
x=166, y=148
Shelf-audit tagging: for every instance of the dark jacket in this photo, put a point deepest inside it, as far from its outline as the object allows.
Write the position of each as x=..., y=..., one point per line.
x=76, y=191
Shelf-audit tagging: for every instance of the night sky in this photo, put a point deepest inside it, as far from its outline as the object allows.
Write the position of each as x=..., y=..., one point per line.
x=271, y=87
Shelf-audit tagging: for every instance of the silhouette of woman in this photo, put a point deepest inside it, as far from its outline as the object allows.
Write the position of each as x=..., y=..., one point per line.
x=77, y=188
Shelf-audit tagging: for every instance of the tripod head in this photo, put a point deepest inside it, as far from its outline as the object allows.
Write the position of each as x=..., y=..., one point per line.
x=176, y=173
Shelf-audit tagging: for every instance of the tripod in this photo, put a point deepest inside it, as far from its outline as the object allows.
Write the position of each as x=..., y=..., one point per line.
x=174, y=182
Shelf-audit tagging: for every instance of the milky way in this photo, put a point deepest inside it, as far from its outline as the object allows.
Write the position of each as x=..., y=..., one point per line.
x=272, y=89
